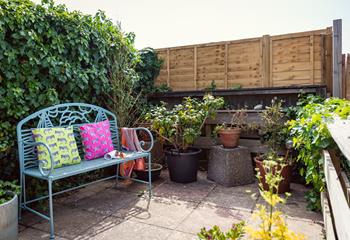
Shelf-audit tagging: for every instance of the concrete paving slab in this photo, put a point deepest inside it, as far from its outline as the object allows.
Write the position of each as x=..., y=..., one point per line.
x=35, y=234
x=194, y=192
x=234, y=197
x=106, y=202
x=70, y=222
x=160, y=212
x=130, y=230
x=176, y=235
x=312, y=231
x=207, y=216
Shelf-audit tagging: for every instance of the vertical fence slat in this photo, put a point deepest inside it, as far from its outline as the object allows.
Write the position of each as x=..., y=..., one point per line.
x=312, y=67
x=168, y=67
x=195, y=66
x=265, y=60
x=270, y=63
x=226, y=66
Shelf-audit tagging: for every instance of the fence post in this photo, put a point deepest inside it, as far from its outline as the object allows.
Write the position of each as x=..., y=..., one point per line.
x=337, y=58
x=168, y=67
x=226, y=66
x=347, y=77
x=265, y=60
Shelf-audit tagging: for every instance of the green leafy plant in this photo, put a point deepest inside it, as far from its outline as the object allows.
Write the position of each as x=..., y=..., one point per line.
x=215, y=233
x=8, y=190
x=273, y=129
x=310, y=136
x=181, y=125
x=50, y=55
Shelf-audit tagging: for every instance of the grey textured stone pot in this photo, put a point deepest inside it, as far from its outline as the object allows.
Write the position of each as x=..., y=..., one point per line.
x=9, y=220
x=230, y=166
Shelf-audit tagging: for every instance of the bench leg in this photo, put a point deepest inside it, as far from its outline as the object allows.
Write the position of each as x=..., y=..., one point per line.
x=149, y=176
x=52, y=230
x=21, y=195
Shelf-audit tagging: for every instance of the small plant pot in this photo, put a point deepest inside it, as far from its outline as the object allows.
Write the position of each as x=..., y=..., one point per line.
x=229, y=137
x=155, y=172
x=286, y=173
x=9, y=219
x=183, y=166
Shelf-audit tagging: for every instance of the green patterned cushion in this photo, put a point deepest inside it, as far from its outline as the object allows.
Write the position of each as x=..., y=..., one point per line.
x=62, y=144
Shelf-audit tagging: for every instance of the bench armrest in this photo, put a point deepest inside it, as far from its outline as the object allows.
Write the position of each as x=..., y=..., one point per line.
x=45, y=173
x=142, y=143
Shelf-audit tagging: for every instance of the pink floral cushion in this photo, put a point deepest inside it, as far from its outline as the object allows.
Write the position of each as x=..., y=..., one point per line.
x=96, y=139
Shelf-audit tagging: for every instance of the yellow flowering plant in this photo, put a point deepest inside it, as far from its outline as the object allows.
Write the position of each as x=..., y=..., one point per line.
x=272, y=225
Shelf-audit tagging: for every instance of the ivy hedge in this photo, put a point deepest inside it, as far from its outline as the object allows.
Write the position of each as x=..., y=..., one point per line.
x=49, y=55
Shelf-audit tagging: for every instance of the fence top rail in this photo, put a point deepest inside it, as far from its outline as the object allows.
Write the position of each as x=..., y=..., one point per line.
x=327, y=30
x=243, y=91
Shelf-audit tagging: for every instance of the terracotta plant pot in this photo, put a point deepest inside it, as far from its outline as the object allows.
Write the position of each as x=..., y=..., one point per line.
x=229, y=137
x=286, y=173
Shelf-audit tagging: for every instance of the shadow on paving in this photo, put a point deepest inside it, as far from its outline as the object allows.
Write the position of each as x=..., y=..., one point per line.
x=176, y=211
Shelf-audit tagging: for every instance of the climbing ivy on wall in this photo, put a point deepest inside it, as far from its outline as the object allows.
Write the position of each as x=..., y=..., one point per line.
x=49, y=55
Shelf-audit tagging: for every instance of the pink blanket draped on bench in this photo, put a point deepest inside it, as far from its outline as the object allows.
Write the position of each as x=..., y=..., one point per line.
x=131, y=142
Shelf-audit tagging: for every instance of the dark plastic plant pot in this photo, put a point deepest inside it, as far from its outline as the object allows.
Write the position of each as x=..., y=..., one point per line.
x=155, y=172
x=183, y=166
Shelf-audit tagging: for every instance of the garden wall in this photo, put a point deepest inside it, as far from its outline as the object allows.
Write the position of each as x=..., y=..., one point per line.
x=293, y=59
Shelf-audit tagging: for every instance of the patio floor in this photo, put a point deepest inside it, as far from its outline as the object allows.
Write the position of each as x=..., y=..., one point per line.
x=176, y=211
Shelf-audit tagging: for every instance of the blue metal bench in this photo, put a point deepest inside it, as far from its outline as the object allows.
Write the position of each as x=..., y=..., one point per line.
x=64, y=115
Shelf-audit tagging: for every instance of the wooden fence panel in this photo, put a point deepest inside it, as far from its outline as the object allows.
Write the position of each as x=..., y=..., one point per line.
x=346, y=76
x=270, y=61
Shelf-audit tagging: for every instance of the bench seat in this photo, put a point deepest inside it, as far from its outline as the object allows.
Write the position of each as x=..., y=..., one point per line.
x=83, y=167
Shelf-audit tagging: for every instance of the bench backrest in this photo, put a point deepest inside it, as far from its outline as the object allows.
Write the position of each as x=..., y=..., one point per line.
x=62, y=115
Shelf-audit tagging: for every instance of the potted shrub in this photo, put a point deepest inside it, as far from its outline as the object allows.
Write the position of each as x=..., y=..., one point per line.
x=8, y=210
x=274, y=133
x=180, y=127
x=230, y=133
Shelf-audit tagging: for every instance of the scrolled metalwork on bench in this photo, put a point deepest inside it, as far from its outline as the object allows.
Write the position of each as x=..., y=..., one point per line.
x=142, y=143
x=41, y=163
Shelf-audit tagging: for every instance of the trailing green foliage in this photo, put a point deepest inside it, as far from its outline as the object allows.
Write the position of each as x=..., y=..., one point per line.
x=49, y=55
x=148, y=69
x=8, y=190
x=310, y=136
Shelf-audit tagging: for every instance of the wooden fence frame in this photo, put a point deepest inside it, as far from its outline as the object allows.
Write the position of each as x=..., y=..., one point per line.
x=266, y=57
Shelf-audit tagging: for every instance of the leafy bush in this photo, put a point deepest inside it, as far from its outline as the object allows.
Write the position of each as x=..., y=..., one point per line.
x=148, y=69
x=7, y=190
x=234, y=233
x=273, y=129
x=310, y=136
x=181, y=125
x=49, y=55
